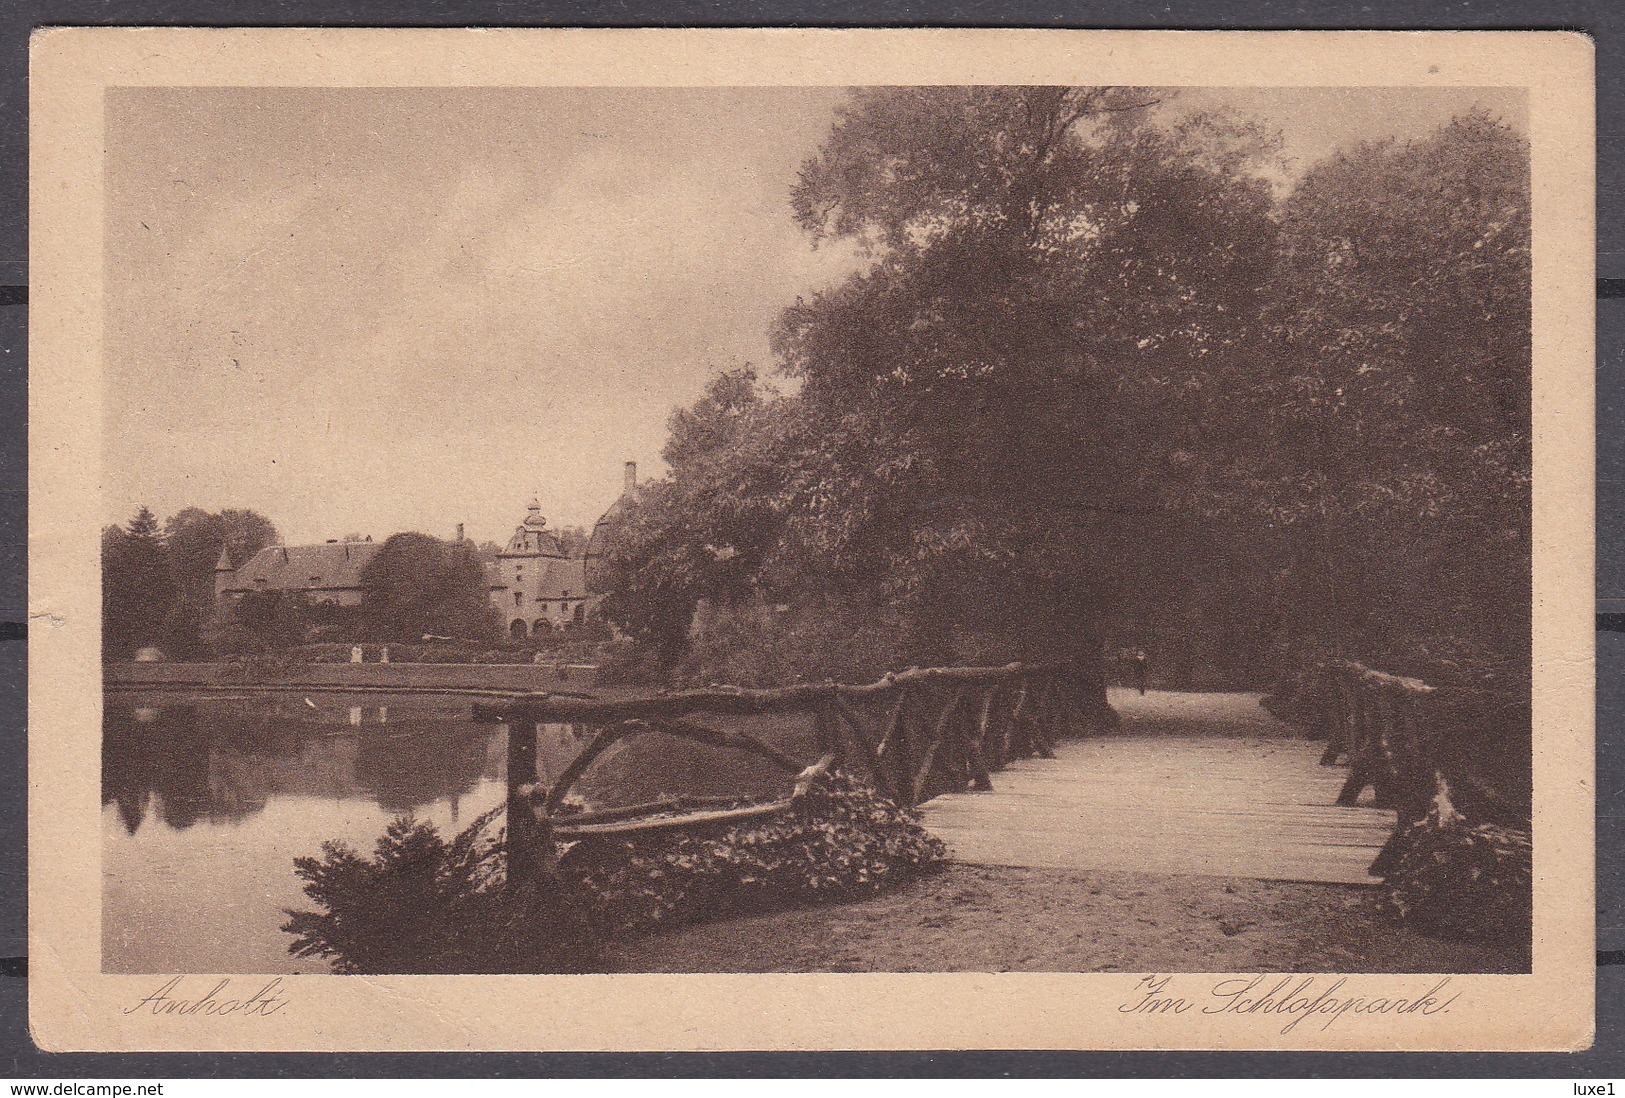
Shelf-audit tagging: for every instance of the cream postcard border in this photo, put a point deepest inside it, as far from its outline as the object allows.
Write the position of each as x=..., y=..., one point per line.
x=73, y=1006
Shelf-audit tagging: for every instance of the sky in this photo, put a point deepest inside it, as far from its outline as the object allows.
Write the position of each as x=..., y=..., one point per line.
x=376, y=310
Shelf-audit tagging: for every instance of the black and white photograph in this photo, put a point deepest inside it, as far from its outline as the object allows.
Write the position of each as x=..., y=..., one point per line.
x=868, y=528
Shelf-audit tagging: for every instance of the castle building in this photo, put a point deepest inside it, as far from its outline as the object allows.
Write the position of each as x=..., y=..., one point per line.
x=536, y=587
x=328, y=573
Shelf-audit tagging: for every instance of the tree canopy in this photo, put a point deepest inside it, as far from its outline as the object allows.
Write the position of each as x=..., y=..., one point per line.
x=158, y=581
x=1051, y=269
x=418, y=584
x=1394, y=406
x=194, y=539
x=1100, y=369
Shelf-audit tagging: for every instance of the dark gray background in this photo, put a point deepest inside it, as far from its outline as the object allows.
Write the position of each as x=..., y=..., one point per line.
x=1603, y=19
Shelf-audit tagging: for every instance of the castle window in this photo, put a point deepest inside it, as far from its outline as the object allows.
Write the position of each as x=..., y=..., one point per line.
x=566, y=592
x=518, y=597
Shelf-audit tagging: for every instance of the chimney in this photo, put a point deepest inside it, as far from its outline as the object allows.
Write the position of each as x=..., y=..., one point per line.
x=459, y=533
x=631, y=477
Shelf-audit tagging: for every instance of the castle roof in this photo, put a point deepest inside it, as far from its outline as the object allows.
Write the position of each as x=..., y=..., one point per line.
x=336, y=565
x=603, y=529
x=532, y=537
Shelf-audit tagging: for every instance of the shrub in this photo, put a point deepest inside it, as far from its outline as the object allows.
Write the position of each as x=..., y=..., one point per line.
x=840, y=841
x=1461, y=880
x=422, y=905
x=629, y=663
x=761, y=644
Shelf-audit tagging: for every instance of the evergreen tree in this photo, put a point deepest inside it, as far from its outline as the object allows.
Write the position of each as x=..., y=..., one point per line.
x=138, y=593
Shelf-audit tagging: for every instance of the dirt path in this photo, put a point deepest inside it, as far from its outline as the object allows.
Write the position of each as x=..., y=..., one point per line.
x=995, y=919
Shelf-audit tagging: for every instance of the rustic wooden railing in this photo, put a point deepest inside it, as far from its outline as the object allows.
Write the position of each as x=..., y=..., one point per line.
x=914, y=733
x=1392, y=732
x=1374, y=721
x=1380, y=726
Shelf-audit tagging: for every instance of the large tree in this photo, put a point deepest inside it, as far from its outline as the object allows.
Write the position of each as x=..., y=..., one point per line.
x=1394, y=409
x=1099, y=378
x=1058, y=273
x=1053, y=272
x=195, y=538
x=137, y=590
x=706, y=531
x=418, y=584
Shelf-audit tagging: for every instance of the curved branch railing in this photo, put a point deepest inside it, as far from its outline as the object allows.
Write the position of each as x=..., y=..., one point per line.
x=917, y=733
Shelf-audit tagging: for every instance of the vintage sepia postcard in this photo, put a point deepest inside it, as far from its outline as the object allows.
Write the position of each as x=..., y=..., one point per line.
x=746, y=539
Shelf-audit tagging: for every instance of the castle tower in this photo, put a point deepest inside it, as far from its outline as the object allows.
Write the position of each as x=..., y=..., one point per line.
x=535, y=586
x=224, y=573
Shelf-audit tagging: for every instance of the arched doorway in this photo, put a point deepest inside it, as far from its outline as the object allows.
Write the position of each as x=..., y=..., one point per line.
x=516, y=630
x=542, y=628
x=580, y=616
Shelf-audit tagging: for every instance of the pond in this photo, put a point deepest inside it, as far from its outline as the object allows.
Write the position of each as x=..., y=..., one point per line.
x=207, y=801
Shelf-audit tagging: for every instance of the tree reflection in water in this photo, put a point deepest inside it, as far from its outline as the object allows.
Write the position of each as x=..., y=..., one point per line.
x=222, y=760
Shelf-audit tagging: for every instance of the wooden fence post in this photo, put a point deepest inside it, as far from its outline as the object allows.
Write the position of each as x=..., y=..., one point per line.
x=1332, y=718
x=939, y=733
x=1362, y=757
x=1015, y=726
x=979, y=778
x=889, y=747
x=858, y=731
x=904, y=750
x=830, y=740
x=996, y=738
x=1384, y=770
x=524, y=859
x=1043, y=719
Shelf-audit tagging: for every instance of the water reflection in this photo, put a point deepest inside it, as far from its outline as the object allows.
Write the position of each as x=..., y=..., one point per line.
x=222, y=761
x=207, y=801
